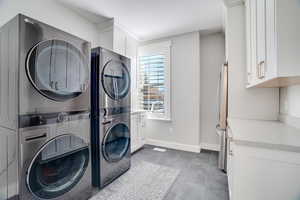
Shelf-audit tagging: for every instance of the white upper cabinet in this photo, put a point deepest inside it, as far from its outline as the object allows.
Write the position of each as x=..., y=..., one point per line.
x=119, y=40
x=273, y=42
x=114, y=38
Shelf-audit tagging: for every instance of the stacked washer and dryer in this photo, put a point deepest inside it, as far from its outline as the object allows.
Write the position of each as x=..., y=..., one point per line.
x=46, y=99
x=110, y=123
x=48, y=91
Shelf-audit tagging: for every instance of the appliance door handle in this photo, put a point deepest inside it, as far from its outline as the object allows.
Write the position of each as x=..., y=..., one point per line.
x=219, y=130
x=218, y=127
x=107, y=122
x=28, y=139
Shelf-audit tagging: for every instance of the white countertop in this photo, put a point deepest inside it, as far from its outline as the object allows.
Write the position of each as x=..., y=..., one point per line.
x=265, y=134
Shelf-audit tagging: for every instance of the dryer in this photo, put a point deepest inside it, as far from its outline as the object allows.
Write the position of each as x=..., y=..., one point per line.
x=111, y=79
x=54, y=69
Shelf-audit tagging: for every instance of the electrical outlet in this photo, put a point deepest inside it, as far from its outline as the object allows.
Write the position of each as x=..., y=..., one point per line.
x=170, y=130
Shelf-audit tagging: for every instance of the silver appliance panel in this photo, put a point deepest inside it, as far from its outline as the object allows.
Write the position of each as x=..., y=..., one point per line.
x=55, y=159
x=221, y=128
x=114, y=161
x=114, y=78
x=54, y=69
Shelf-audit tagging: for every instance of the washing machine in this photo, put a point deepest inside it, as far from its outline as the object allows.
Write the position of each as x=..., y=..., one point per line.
x=54, y=69
x=110, y=124
x=55, y=156
x=113, y=152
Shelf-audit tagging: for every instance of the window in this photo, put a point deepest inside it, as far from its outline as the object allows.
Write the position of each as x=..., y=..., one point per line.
x=154, y=80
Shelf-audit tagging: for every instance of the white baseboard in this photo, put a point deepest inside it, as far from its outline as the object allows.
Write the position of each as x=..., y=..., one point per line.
x=212, y=147
x=174, y=145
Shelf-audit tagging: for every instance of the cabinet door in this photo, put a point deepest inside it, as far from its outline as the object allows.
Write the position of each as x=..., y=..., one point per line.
x=271, y=40
x=12, y=164
x=131, y=52
x=248, y=40
x=134, y=133
x=252, y=38
x=3, y=166
x=8, y=164
x=261, y=37
x=141, y=125
x=119, y=41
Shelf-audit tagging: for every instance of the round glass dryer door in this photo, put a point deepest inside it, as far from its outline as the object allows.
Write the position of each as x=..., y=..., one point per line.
x=116, y=143
x=57, y=167
x=115, y=79
x=57, y=70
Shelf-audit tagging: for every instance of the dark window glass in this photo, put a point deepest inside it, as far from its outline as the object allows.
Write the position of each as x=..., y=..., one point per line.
x=58, y=167
x=116, y=143
x=115, y=79
x=57, y=70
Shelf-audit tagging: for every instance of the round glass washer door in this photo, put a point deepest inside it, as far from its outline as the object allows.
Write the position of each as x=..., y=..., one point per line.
x=115, y=79
x=57, y=167
x=57, y=70
x=116, y=142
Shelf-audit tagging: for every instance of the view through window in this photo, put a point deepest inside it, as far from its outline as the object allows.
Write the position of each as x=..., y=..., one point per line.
x=152, y=77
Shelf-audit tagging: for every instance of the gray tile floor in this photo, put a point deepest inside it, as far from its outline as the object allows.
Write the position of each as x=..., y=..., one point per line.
x=199, y=179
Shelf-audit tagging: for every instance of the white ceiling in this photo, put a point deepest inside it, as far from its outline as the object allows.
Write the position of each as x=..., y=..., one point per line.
x=151, y=19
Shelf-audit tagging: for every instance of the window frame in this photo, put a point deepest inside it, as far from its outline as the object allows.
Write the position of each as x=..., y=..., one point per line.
x=160, y=48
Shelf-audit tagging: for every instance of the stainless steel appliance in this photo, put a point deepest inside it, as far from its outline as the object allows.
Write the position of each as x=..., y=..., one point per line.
x=221, y=127
x=45, y=74
x=110, y=124
x=113, y=150
x=54, y=69
x=112, y=76
x=55, y=156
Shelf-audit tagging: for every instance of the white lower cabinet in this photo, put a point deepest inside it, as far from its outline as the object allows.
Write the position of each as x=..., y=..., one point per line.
x=8, y=164
x=137, y=136
x=261, y=173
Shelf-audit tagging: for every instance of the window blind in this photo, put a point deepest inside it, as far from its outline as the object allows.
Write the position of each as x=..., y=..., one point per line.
x=152, y=83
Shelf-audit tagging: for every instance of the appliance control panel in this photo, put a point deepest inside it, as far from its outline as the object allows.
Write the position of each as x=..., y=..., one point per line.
x=51, y=118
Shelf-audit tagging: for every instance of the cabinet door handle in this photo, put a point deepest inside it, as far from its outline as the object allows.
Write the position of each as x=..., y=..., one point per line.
x=262, y=69
x=258, y=71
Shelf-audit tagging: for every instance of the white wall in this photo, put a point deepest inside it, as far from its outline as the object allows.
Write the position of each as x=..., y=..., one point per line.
x=290, y=101
x=212, y=54
x=52, y=13
x=290, y=105
x=255, y=103
x=183, y=132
